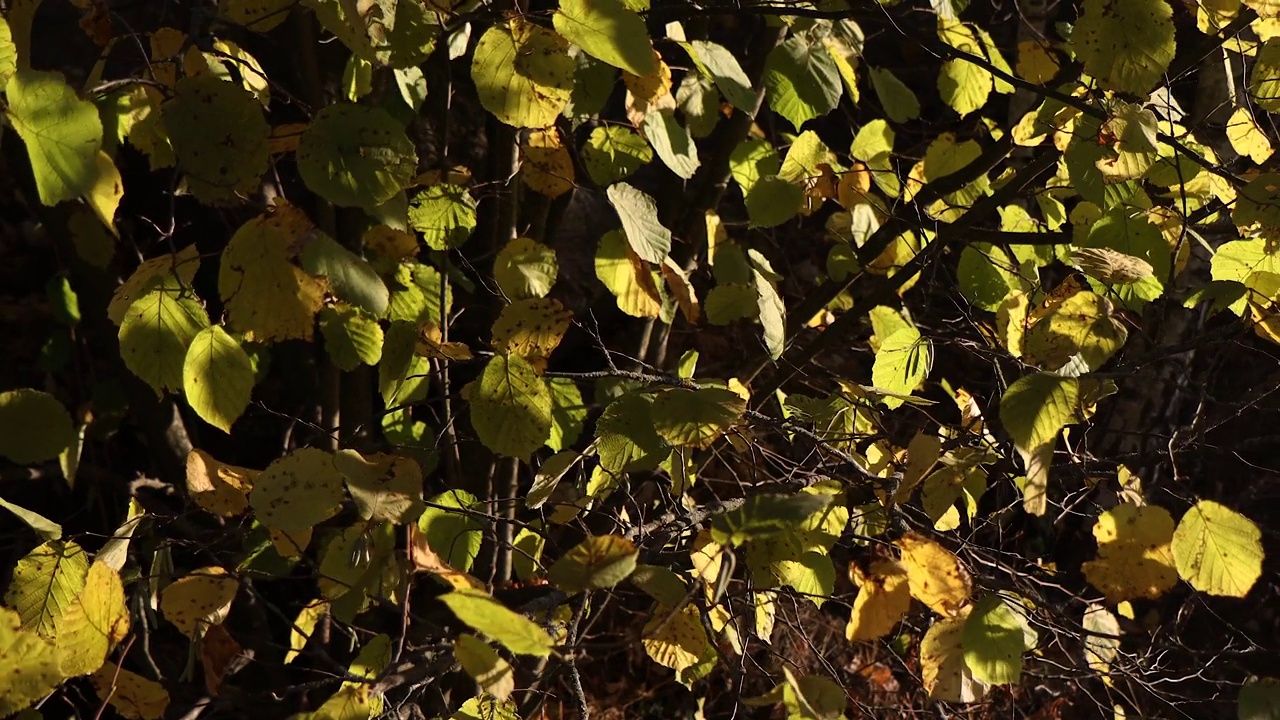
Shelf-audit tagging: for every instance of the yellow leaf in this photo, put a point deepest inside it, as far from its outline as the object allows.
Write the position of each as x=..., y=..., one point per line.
x=198, y=600
x=290, y=544
x=431, y=345
x=547, y=167
x=1246, y=138
x=108, y=188
x=884, y=596
x=627, y=276
x=935, y=576
x=531, y=328
x=493, y=674
x=166, y=44
x=675, y=639
x=220, y=488
x=132, y=695
x=94, y=623
x=285, y=138
x=427, y=560
x=1134, y=559
x=303, y=626
x=46, y=583
x=298, y=491
x=30, y=665
x=648, y=92
x=268, y=297
x=1036, y=63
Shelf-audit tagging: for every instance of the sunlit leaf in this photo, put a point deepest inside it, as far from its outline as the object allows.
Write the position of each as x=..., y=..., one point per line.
x=696, y=417
x=30, y=662
x=298, y=491
x=943, y=670
x=523, y=73
x=45, y=585
x=511, y=407
x=1217, y=550
x=267, y=296
x=385, y=488
x=445, y=214
x=1134, y=559
x=198, y=600
x=1125, y=44
x=219, y=135
x=608, y=30
x=801, y=80
x=93, y=624
x=63, y=133
x=884, y=597
x=494, y=620
x=935, y=576
x=597, y=563
x=218, y=377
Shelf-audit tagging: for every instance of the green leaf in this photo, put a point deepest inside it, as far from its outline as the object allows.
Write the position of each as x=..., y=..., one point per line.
x=351, y=337
x=728, y=302
x=351, y=277
x=567, y=413
x=1132, y=234
x=523, y=73
x=385, y=488
x=1125, y=44
x=445, y=214
x=494, y=620
x=487, y=708
x=773, y=201
x=593, y=82
x=450, y=531
x=773, y=313
x=1218, y=550
x=987, y=275
x=763, y=515
x=613, y=152
x=511, y=407
x=298, y=491
x=672, y=142
x=30, y=662
x=1084, y=324
x=155, y=334
x=45, y=583
x=1033, y=411
x=728, y=75
x=696, y=418
x=525, y=269
x=420, y=295
x=639, y=215
x=812, y=574
x=8, y=53
x=963, y=85
x=43, y=526
x=899, y=102
x=62, y=133
x=1264, y=79
x=993, y=642
x=597, y=563
x=751, y=160
x=902, y=362
x=607, y=30
x=802, y=80
x=34, y=426
x=626, y=438
x=218, y=377
x=356, y=156
x=219, y=135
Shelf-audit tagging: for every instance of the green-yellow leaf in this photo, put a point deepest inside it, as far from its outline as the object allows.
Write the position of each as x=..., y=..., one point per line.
x=1125, y=44
x=627, y=440
x=730, y=79
x=34, y=426
x=493, y=674
x=303, y=626
x=445, y=214
x=1033, y=410
x=351, y=337
x=772, y=201
x=525, y=268
x=597, y=563
x=993, y=642
x=63, y=133
x=899, y=102
x=943, y=670
x=902, y=362
x=218, y=377
x=155, y=334
x=763, y=515
x=351, y=277
x=607, y=30
x=638, y=212
x=450, y=530
x=385, y=488
x=523, y=73
x=494, y=620
x=801, y=80
x=696, y=417
x=196, y=601
x=356, y=155
x=46, y=583
x=511, y=407
x=567, y=413
x=1218, y=550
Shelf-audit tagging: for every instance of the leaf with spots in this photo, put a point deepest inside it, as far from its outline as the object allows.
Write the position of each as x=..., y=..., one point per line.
x=525, y=269
x=934, y=575
x=1125, y=44
x=218, y=487
x=696, y=418
x=219, y=136
x=943, y=670
x=268, y=298
x=198, y=600
x=132, y=695
x=298, y=491
x=531, y=329
x=94, y=624
x=171, y=269
x=523, y=73
x=675, y=638
x=546, y=165
x=30, y=665
x=1134, y=559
